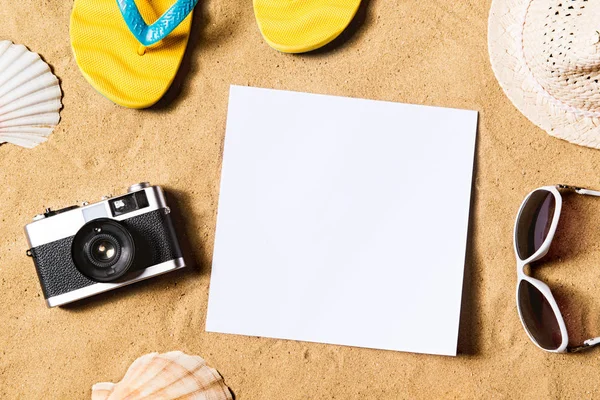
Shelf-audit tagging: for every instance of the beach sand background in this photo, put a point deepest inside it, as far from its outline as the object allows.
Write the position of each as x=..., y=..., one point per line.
x=432, y=53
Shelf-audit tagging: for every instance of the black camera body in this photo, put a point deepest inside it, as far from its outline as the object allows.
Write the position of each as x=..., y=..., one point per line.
x=84, y=250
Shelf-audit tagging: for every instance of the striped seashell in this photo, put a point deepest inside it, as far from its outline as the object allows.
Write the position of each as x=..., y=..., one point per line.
x=29, y=96
x=167, y=376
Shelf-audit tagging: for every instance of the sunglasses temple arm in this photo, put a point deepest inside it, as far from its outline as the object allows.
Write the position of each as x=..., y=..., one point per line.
x=589, y=192
x=588, y=344
x=579, y=190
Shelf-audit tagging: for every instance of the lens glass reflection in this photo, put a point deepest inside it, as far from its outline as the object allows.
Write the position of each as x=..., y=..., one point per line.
x=539, y=317
x=103, y=251
x=534, y=222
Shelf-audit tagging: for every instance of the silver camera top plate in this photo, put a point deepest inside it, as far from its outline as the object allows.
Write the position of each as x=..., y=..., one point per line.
x=65, y=224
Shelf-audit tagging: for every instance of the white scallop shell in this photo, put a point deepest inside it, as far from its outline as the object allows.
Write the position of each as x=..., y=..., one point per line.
x=167, y=376
x=29, y=96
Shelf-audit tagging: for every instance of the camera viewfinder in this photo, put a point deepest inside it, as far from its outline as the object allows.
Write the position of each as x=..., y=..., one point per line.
x=126, y=204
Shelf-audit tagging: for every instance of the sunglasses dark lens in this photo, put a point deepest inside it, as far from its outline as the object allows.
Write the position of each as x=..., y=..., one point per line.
x=534, y=222
x=539, y=317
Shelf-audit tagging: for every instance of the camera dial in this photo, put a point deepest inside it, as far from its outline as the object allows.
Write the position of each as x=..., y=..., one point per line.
x=138, y=186
x=103, y=250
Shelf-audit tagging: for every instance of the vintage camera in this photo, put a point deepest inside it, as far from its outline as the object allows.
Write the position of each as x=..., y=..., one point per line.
x=80, y=251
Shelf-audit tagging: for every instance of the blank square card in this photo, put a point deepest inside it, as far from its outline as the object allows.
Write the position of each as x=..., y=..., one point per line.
x=342, y=221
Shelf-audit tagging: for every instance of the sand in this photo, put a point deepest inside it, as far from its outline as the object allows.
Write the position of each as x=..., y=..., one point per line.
x=431, y=53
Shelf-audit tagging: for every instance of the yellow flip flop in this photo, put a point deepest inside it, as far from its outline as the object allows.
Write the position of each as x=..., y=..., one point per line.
x=129, y=62
x=298, y=26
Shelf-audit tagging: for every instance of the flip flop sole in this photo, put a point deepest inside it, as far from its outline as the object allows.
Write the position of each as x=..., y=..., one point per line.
x=293, y=26
x=108, y=54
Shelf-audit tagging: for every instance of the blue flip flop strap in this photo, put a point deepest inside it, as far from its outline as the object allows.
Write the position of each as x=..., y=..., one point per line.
x=147, y=35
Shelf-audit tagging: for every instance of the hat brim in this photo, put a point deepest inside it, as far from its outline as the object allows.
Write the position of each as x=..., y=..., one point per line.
x=505, y=27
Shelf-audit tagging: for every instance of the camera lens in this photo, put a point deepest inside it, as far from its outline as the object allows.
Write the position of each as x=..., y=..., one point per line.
x=103, y=250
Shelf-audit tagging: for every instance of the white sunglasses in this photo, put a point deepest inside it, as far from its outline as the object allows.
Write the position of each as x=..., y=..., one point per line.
x=534, y=230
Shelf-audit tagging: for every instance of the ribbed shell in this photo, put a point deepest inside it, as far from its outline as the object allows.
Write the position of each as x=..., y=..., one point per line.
x=167, y=376
x=29, y=96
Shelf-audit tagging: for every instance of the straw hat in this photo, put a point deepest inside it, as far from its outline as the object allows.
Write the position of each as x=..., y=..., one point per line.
x=546, y=56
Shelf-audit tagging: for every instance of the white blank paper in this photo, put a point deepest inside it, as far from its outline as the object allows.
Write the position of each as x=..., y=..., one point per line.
x=342, y=221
